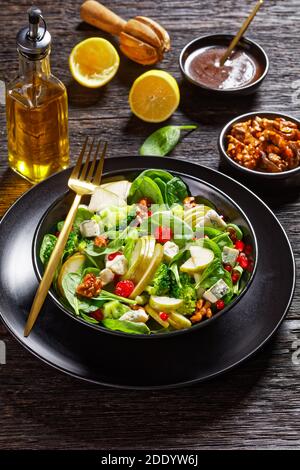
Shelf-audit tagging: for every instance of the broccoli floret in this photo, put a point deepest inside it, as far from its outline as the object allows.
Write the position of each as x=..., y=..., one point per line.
x=71, y=245
x=114, y=309
x=160, y=284
x=186, y=292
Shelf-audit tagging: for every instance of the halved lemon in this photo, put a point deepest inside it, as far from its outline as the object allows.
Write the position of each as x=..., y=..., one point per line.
x=154, y=96
x=94, y=62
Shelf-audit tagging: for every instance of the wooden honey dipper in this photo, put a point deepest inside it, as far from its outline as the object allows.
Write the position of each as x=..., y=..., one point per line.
x=142, y=39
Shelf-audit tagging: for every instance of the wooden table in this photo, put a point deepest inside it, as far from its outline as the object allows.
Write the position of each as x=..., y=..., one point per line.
x=256, y=405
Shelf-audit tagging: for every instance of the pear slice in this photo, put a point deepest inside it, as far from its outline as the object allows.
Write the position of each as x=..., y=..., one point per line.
x=198, y=261
x=120, y=188
x=141, y=258
x=193, y=215
x=137, y=257
x=166, y=304
x=150, y=271
x=102, y=198
x=201, y=256
x=71, y=265
x=144, y=263
x=178, y=321
x=188, y=267
x=156, y=316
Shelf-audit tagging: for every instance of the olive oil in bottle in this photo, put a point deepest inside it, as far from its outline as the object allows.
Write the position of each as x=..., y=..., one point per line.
x=36, y=107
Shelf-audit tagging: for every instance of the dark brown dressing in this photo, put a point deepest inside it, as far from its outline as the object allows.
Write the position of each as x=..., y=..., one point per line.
x=203, y=66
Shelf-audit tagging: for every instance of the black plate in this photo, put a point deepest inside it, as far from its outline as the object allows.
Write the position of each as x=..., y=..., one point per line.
x=224, y=206
x=120, y=361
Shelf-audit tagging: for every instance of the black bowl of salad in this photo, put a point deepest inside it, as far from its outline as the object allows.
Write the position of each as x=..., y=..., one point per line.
x=150, y=254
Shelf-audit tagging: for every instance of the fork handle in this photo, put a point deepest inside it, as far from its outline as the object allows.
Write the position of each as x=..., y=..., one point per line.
x=55, y=258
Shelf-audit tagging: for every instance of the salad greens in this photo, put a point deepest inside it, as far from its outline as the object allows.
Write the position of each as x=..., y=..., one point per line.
x=163, y=140
x=149, y=264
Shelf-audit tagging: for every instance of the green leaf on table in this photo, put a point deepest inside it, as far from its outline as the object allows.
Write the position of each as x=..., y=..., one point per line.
x=163, y=140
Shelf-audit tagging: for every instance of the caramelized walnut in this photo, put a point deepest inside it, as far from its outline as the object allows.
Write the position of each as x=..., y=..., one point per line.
x=100, y=241
x=90, y=286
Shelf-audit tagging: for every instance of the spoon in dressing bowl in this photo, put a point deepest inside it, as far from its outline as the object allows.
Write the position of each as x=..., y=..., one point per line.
x=240, y=33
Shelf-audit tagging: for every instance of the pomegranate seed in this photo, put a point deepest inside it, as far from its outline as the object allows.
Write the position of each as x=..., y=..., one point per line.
x=235, y=277
x=248, y=249
x=124, y=288
x=220, y=304
x=112, y=256
x=163, y=234
x=97, y=314
x=242, y=260
x=164, y=316
x=240, y=245
x=228, y=267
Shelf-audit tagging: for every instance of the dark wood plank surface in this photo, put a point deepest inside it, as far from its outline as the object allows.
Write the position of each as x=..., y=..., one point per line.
x=255, y=406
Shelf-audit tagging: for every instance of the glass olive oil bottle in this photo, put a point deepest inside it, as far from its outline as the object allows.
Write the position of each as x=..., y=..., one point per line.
x=36, y=107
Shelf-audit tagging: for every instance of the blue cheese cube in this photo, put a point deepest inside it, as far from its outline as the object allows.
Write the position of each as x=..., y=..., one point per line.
x=170, y=250
x=89, y=228
x=106, y=276
x=229, y=255
x=216, y=292
x=213, y=219
x=118, y=265
x=137, y=316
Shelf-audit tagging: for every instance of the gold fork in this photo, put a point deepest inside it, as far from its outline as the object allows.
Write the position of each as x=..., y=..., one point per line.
x=82, y=184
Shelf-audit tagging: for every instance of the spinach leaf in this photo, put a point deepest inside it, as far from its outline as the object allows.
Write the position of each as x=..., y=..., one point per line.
x=211, y=274
x=211, y=245
x=142, y=187
x=211, y=232
x=227, y=278
x=162, y=186
x=95, y=251
x=223, y=240
x=163, y=140
x=90, y=270
x=105, y=296
x=165, y=176
x=176, y=191
x=181, y=256
x=69, y=284
x=82, y=214
x=126, y=326
x=47, y=246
